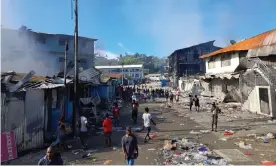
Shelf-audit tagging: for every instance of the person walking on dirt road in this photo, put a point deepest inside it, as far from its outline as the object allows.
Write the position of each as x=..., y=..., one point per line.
x=130, y=147
x=147, y=120
x=215, y=111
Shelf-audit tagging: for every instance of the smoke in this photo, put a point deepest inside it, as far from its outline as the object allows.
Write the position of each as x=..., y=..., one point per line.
x=19, y=51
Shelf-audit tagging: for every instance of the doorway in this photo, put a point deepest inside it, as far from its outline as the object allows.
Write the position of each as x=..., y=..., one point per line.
x=264, y=101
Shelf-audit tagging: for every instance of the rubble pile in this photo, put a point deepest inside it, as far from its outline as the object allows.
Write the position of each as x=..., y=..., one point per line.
x=185, y=152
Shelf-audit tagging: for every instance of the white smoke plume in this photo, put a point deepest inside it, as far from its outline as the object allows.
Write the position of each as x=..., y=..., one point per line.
x=19, y=52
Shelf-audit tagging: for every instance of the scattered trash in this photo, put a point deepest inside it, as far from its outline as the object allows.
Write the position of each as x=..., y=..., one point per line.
x=205, y=131
x=194, y=132
x=87, y=155
x=269, y=163
x=153, y=137
x=223, y=139
x=114, y=148
x=248, y=153
x=190, y=153
x=107, y=162
x=151, y=149
x=182, y=124
x=270, y=136
x=69, y=146
x=203, y=149
x=77, y=151
x=243, y=145
x=228, y=133
x=94, y=160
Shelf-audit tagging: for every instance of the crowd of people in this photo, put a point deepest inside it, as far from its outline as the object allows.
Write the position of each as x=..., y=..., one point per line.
x=129, y=141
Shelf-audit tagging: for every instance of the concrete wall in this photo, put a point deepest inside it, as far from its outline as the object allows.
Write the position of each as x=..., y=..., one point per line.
x=219, y=88
x=226, y=69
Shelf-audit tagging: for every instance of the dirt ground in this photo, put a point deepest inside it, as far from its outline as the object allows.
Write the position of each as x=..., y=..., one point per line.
x=170, y=124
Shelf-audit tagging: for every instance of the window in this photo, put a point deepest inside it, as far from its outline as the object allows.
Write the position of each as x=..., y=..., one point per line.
x=211, y=63
x=136, y=75
x=137, y=70
x=225, y=60
x=40, y=39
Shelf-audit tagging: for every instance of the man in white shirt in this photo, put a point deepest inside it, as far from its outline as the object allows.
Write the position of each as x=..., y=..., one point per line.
x=83, y=131
x=147, y=119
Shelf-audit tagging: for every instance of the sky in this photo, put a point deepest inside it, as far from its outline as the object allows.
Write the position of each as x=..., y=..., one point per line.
x=153, y=27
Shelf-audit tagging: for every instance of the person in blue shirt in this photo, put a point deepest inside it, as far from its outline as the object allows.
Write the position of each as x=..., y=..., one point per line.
x=52, y=157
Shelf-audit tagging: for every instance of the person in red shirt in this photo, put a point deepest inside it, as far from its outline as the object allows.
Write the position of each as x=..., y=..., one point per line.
x=116, y=113
x=107, y=125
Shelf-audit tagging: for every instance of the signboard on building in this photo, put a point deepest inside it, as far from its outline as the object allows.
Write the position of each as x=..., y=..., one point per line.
x=8, y=146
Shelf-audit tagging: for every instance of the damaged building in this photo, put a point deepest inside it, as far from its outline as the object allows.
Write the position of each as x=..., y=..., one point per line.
x=244, y=72
x=186, y=61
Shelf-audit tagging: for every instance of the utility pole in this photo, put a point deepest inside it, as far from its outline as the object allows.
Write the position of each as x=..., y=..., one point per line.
x=76, y=75
x=65, y=72
x=122, y=73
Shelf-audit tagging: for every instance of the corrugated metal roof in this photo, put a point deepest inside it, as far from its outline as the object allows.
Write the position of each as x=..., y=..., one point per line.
x=19, y=76
x=264, y=39
x=118, y=66
x=88, y=75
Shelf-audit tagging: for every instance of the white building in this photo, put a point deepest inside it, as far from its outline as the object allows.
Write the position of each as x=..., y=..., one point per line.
x=42, y=51
x=245, y=72
x=129, y=71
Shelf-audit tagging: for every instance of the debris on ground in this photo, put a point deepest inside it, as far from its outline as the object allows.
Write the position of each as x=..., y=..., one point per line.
x=191, y=153
x=77, y=151
x=107, y=162
x=195, y=133
x=205, y=131
x=151, y=149
x=223, y=139
x=243, y=145
x=228, y=133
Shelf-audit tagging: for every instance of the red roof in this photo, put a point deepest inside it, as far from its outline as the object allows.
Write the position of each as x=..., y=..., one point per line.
x=264, y=39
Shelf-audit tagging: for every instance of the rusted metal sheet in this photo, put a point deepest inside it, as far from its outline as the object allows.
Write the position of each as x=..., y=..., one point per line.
x=26, y=118
x=262, y=51
x=34, y=119
x=265, y=39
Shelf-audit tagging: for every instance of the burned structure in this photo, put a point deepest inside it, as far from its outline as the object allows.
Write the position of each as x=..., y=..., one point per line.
x=244, y=72
x=186, y=61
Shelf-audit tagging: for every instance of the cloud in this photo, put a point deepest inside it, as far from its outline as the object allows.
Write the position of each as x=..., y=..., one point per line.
x=106, y=54
x=124, y=48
